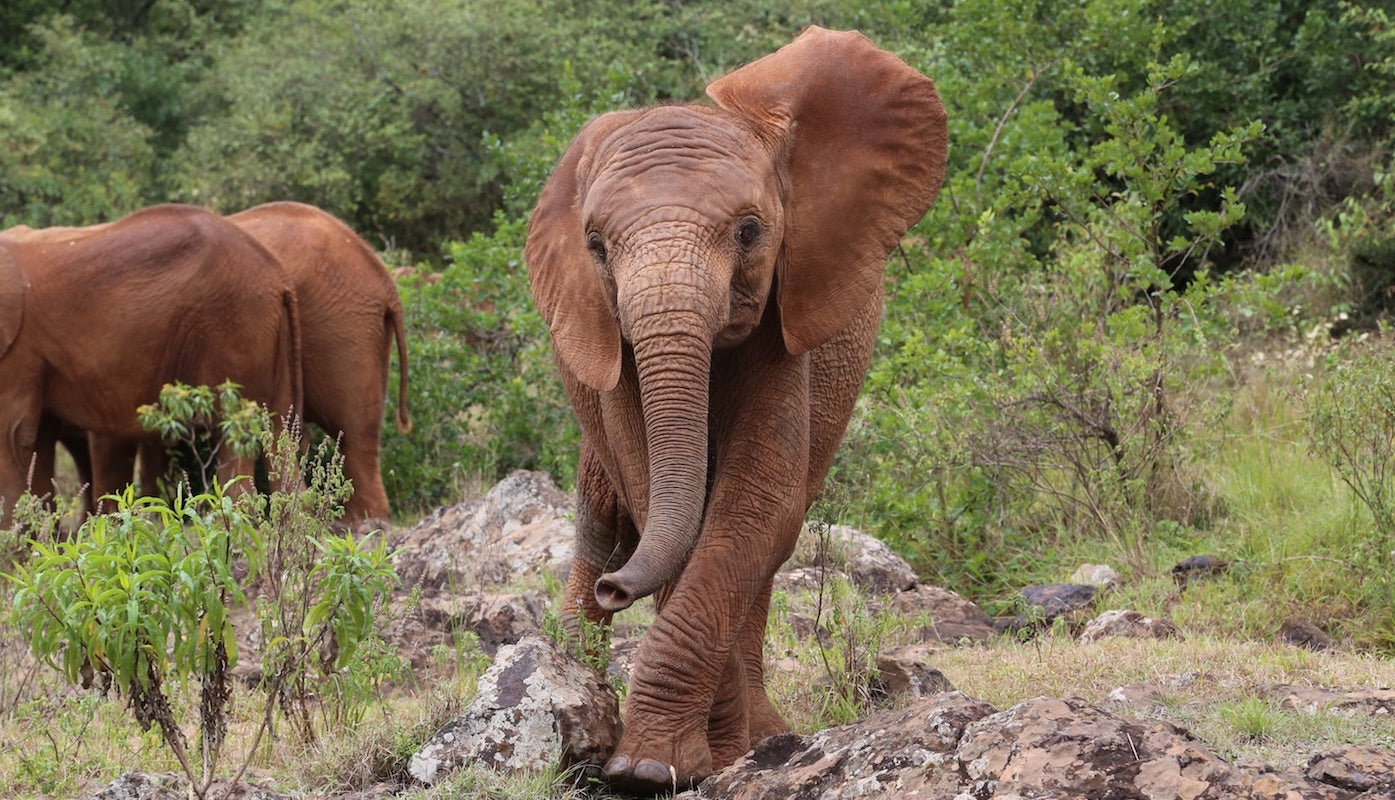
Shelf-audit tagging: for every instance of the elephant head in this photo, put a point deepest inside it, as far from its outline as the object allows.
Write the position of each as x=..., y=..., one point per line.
x=663, y=234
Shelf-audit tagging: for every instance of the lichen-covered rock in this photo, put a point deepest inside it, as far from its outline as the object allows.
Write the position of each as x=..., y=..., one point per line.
x=951, y=746
x=521, y=526
x=1126, y=623
x=1358, y=769
x=866, y=561
x=1376, y=702
x=902, y=754
x=534, y=705
x=949, y=618
x=167, y=786
x=439, y=617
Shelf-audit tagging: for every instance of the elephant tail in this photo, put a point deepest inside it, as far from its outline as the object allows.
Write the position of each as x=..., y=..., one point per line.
x=394, y=320
x=291, y=353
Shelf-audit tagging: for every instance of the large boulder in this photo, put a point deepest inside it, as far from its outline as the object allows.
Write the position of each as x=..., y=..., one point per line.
x=522, y=526
x=534, y=705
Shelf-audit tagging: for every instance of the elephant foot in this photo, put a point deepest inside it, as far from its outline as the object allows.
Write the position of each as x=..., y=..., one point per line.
x=765, y=720
x=669, y=766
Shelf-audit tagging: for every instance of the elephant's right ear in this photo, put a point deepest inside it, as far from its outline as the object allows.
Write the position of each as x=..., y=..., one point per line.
x=11, y=299
x=566, y=286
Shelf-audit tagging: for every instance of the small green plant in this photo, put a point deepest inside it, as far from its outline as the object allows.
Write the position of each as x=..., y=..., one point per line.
x=587, y=641
x=139, y=600
x=1252, y=718
x=1351, y=422
x=198, y=421
x=855, y=636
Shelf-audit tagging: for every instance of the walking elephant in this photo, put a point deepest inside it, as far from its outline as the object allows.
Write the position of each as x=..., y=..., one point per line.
x=94, y=321
x=350, y=314
x=712, y=280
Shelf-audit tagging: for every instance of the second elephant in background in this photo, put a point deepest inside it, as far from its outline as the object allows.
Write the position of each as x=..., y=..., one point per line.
x=350, y=314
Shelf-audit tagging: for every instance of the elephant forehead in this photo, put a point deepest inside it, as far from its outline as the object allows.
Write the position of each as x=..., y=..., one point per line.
x=679, y=157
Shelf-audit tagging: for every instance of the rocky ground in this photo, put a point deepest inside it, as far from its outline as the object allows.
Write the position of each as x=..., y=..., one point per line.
x=935, y=742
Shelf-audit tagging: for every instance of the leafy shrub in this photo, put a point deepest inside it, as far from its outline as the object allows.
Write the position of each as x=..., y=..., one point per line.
x=141, y=599
x=484, y=390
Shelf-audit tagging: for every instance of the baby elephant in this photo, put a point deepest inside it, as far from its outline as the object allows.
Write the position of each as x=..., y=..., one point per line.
x=712, y=279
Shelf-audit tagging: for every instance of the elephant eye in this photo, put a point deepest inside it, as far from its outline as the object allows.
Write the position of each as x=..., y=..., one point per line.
x=596, y=244
x=748, y=232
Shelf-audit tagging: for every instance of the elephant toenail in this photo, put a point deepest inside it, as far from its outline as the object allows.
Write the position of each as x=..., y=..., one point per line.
x=618, y=767
x=655, y=774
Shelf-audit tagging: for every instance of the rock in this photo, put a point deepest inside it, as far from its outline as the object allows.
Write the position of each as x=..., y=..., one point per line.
x=143, y=786
x=951, y=746
x=1197, y=568
x=899, y=754
x=866, y=560
x=952, y=619
x=520, y=526
x=1302, y=633
x=1046, y=604
x=1101, y=576
x=1132, y=624
x=495, y=618
x=1358, y=769
x=1360, y=702
x=805, y=579
x=1152, y=693
x=905, y=672
x=534, y=704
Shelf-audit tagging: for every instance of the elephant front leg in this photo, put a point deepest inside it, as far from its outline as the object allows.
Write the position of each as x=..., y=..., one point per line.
x=689, y=704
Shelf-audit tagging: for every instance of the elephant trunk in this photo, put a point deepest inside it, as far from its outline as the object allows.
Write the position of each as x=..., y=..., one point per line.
x=673, y=380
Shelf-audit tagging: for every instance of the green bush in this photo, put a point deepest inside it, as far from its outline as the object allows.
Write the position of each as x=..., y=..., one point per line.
x=141, y=599
x=484, y=390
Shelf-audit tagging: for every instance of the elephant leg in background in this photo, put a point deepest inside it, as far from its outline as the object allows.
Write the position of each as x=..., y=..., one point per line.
x=605, y=538
x=357, y=420
x=42, y=466
x=752, y=520
x=113, y=467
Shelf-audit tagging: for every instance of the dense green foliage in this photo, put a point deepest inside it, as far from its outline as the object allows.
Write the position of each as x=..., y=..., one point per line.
x=1139, y=191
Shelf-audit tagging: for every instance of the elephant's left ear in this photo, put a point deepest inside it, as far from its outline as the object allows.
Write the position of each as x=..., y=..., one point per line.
x=866, y=162
x=11, y=299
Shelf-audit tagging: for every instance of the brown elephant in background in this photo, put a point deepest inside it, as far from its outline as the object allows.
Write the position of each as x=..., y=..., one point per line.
x=712, y=279
x=350, y=314
x=94, y=321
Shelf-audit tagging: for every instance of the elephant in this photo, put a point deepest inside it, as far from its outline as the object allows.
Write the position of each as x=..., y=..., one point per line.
x=350, y=314
x=94, y=321
x=712, y=280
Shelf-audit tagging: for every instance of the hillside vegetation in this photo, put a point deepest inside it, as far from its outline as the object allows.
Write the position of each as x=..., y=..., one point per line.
x=1132, y=326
